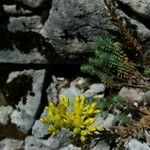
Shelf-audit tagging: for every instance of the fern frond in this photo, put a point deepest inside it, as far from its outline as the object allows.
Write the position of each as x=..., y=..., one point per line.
x=110, y=62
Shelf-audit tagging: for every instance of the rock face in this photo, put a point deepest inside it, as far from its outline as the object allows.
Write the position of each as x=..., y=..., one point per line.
x=36, y=33
x=136, y=145
x=11, y=144
x=72, y=24
x=26, y=111
x=66, y=26
x=5, y=114
x=131, y=94
x=141, y=7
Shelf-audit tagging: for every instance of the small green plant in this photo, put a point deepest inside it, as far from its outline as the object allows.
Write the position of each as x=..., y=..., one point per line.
x=147, y=72
x=110, y=64
x=79, y=119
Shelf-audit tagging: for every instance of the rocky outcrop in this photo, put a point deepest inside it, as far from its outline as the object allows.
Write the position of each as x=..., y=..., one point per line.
x=35, y=34
x=66, y=28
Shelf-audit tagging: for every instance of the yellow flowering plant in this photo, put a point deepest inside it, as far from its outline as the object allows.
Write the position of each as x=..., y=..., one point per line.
x=79, y=119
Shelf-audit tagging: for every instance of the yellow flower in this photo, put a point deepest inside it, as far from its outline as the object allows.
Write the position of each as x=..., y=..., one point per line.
x=78, y=122
x=51, y=130
x=44, y=120
x=89, y=121
x=84, y=132
x=79, y=119
x=92, y=128
x=76, y=130
x=82, y=138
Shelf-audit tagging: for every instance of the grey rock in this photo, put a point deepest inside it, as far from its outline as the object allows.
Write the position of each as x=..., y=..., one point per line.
x=85, y=17
x=16, y=57
x=70, y=147
x=5, y=112
x=78, y=81
x=13, y=10
x=25, y=113
x=100, y=146
x=142, y=31
x=71, y=93
x=109, y=121
x=31, y=3
x=32, y=23
x=141, y=7
x=146, y=97
x=33, y=143
x=136, y=145
x=39, y=129
x=131, y=94
x=11, y=144
x=52, y=92
x=105, y=121
x=147, y=136
x=52, y=143
x=94, y=90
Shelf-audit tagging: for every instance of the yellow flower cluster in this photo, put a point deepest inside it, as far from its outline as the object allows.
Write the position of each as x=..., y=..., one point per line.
x=79, y=119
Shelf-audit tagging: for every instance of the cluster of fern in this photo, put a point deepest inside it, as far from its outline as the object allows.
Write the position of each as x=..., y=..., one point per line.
x=111, y=64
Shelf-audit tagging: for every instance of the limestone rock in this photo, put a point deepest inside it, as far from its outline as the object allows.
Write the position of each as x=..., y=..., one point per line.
x=11, y=144
x=5, y=112
x=136, y=145
x=16, y=57
x=31, y=3
x=131, y=94
x=94, y=90
x=101, y=146
x=72, y=24
x=23, y=24
x=25, y=114
x=70, y=147
x=141, y=7
x=39, y=129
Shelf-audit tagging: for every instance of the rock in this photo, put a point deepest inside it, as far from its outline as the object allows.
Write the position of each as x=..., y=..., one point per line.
x=141, y=7
x=32, y=143
x=70, y=147
x=146, y=97
x=136, y=145
x=52, y=92
x=23, y=24
x=105, y=122
x=131, y=94
x=13, y=10
x=143, y=32
x=25, y=114
x=78, y=81
x=109, y=121
x=16, y=57
x=52, y=143
x=11, y=144
x=94, y=90
x=147, y=136
x=100, y=146
x=39, y=130
x=70, y=19
x=5, y=112
x=71, y=92
x=31, y=3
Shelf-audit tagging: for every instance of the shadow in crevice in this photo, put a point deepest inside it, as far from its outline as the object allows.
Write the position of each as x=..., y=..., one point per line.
x=17, y=89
